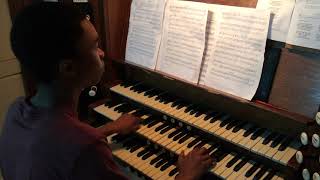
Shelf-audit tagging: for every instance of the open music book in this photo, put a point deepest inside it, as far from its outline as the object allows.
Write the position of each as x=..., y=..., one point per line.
x=221, y=47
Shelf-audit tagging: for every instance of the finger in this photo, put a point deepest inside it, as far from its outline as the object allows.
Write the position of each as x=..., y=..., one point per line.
x=205, y=157
x=207, y=163
x=203, y=151
x=182, y=155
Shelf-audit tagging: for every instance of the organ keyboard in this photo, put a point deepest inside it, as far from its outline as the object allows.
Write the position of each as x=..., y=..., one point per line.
x=256, y=139
x=175, y=125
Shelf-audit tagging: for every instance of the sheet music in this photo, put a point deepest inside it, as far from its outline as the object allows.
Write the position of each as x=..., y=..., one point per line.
x=305, y=24
x=236, y=62
x=212, y=27
x=144, y=34
x=183, y=40
x=281, y=11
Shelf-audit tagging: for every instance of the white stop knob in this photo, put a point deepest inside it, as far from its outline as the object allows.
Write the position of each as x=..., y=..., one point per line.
x=304, y=138
x=306, y=174
x=315, y=176
x=165, y=117
x=299, y=157
x=180, y=124
x=93, y=91
x=318, y=118
x=315, y=140
x=172, y=120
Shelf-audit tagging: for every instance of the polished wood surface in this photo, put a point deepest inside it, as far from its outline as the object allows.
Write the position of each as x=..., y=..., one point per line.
x=296, y=86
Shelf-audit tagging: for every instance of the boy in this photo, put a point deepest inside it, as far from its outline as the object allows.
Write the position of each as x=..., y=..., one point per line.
x=42, y=137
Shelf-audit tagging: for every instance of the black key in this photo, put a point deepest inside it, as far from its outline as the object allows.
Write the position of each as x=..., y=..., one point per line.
x=148, y=121
x=136, y=147
x=270, y=175
x=212, y=147
x=225, y=122
x=176, y=103
x=210, y=114
x=189, y=108
x=216, y=153
x=250, y=131
x=121, y=106
x=220, y=157
x=111, y=104
x=233, y=161
x=153, y=123
x=161, y=127
x=269, y=138
x=181, y=105
x=194, y=142
x=258, y=133
x=128, y=143
x=262, y=171
x=277, y=141
x=143, y=152
x=173, y=172
x=220, y=116
x=161, y=162
x=239, y=126
x=156, y=159
x=174, y=133
x=202, y=143
x=285, y=144
x=184, y=138
x=140, y=113
x=240, y=164
x=126, y=110
x=127, y=83
x=147, y=155
x=252, y=170
x=167, y=165
x=165, y=129
x=234, y=123
x=177, y=137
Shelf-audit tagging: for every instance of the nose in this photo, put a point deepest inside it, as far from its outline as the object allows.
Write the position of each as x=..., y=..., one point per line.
x=100, y=53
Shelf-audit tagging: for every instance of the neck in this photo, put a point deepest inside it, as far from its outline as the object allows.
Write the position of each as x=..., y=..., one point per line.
x=56, y=96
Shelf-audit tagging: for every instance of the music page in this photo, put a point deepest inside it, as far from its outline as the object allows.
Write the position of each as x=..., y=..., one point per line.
x=183, y=40
x=210, y=39
x=281, y=12
x=144, y=34
x=235, y=64
x=305, y=24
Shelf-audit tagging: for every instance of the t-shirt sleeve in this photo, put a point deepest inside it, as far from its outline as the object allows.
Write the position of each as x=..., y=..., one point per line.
x=96, y=163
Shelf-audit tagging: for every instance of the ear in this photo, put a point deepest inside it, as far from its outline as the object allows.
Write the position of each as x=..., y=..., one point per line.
x=67, y=68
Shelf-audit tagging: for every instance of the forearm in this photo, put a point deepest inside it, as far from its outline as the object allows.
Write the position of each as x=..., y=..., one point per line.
x=109, y=129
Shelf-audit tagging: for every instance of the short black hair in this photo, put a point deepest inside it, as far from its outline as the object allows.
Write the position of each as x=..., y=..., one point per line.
x=43, y=34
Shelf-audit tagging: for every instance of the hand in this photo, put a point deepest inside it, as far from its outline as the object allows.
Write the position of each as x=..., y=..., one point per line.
x=126, y=124
x=193, y=165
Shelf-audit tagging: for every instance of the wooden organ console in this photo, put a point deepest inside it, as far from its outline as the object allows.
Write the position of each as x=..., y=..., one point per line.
x=274, y=136
x=258, y=139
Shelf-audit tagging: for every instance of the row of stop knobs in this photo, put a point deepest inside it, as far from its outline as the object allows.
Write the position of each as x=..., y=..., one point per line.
x=315, y=141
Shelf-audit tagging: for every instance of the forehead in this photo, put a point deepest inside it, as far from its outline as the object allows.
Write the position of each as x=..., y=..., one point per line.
x=90, y=34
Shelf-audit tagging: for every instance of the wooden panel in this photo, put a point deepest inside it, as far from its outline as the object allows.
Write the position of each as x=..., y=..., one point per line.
x=117, y=15
x=11, y=88
x=5, y=49
x=297, y=83
x=9, y=67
